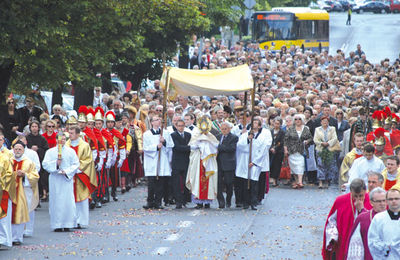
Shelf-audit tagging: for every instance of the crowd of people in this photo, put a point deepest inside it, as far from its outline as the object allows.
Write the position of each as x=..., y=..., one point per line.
x=317, y=119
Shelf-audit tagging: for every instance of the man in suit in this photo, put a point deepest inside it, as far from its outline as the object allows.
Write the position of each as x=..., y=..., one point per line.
x=180, y=163
x=226, y=164
x=326, y=112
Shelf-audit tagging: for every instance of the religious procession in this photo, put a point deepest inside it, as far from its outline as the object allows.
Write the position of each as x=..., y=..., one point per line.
x=228, y=129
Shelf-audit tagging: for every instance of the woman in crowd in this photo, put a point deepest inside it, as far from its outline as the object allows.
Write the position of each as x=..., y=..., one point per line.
x=39, y=144
x=50, y=134
x=327, y=144
x=12, y=120
x=276, y=151
x=297, y=139
x=343, y=125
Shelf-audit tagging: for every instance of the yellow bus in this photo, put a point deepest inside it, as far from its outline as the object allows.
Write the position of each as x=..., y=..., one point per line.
x=300, y=26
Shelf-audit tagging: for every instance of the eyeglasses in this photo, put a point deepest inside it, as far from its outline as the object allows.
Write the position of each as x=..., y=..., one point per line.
x=51, y=126
x=297, y=119
x=379, y=201
x=392, y=199
x=339, y=113
x=336, y=103
x=9, y=103
x=159, y=110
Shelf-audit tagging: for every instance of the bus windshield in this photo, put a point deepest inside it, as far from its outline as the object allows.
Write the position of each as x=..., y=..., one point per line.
x=273, y=27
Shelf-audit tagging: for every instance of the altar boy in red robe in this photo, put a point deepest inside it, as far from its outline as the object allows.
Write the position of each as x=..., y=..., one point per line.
x=340, y=220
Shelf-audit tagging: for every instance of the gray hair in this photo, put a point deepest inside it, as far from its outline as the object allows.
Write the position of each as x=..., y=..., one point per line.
x=379, y=175
x=301, y=116
x=377, y=190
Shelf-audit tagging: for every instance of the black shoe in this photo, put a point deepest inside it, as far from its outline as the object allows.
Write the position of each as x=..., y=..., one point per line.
x=98, y=204
x=221, y=206
x=239, y=205
x=172, y=202
x=199, y=206
x=78, y=226
x=92, y=205
x=158, y=207
x=123, y=190
x=39, y=206
x=16, y=243
x=104, y=200
x=58, y=230
x=128, y=188
x=178, y=207
x=253, y=207
x=207, y=206
x=246, y=207
x=148, y=206
x=115, y=198
x=166, y=204
x=66, y=230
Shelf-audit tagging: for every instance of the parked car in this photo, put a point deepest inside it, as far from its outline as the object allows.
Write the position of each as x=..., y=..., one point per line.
x=375, y=7
x=346, y=4
x=332, y=6
x=394, y=6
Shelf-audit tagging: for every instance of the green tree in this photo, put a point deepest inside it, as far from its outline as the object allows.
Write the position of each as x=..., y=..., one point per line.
x=168, y=23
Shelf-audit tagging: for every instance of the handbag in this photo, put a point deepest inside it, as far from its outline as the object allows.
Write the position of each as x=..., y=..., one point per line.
x=285, y=169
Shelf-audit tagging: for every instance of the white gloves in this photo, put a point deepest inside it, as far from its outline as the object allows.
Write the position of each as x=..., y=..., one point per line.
x=99, y=165
x=94, y=155
x=122, y=157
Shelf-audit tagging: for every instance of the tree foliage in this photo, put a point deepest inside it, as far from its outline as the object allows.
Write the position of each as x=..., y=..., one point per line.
x=47, y=43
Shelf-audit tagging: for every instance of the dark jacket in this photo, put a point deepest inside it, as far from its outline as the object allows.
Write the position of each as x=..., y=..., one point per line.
x=180, y=151
x=340, y=130
x=24, y=114
x=227, y=152
x=40, y=142
x=332, y=122
x=278, y=141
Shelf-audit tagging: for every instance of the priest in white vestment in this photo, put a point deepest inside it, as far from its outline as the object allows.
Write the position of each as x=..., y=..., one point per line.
x=384, y=231
x=156, y=171
x=250, y=171
x=62, y=206
x=363, y=165
x=31, y=193
x=202, y=176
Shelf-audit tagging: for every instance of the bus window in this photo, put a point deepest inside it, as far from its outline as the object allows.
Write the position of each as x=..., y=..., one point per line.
x=273, y=27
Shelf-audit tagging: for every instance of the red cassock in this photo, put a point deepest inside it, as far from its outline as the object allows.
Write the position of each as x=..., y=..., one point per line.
x=388, y=150
x=125, y=165
x=345, y=211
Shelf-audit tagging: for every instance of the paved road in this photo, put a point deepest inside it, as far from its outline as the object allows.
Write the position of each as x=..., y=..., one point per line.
x=288, y=225
x=378, y=34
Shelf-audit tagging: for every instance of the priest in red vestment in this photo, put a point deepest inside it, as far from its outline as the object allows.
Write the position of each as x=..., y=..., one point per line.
x=341, y=218
x=358, y=240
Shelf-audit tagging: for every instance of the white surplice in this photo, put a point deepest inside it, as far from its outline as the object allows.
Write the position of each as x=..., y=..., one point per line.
x=362, y=166
x=34, y=157
x=267, y=140
x=384, y=233
x=150, y=154
x=257, y=156
x=62, y=206
x=5, y=227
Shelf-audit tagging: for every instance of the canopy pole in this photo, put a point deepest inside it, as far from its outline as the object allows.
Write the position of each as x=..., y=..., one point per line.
x=253, y=93
x=164, y=114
